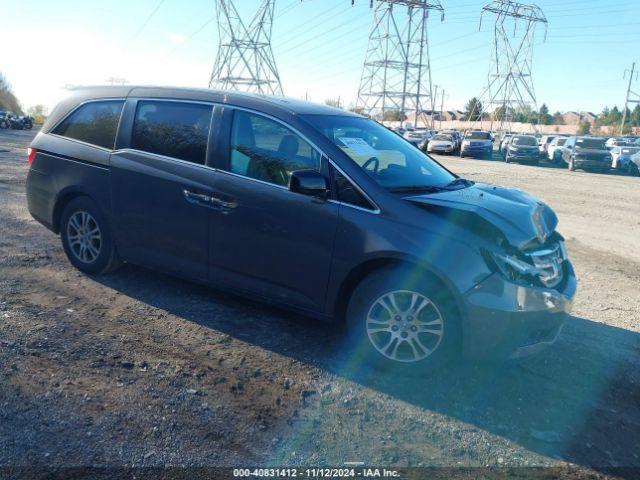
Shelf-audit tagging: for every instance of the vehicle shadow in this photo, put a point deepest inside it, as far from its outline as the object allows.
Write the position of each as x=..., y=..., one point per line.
x=579, y=401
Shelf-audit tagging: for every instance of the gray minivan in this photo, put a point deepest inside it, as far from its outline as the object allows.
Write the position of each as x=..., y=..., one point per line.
x=305, y=206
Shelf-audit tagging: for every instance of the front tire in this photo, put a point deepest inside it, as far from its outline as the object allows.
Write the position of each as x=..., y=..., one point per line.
x=401, y=319
x=86, y=237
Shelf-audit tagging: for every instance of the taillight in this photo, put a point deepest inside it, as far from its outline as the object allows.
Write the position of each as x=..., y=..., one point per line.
x=31, y=155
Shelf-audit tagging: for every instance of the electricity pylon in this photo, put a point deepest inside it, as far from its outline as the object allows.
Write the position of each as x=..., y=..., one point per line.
x=245, y=60
x=509, y=90
x=397, y=69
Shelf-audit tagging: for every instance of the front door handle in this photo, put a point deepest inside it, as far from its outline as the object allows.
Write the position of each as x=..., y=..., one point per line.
x=222, y=204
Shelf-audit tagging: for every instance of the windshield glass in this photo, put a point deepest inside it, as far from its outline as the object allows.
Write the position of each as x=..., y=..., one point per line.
x=630, y=151
x=478, y=136
x=388, y=159
x=526, y=141
x=445, y=138
x=595, y=143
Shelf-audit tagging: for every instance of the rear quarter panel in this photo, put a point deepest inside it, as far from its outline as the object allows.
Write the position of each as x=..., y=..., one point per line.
x=62, y=169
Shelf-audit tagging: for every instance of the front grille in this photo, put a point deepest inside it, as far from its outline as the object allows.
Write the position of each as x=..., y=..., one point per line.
x=549, y=263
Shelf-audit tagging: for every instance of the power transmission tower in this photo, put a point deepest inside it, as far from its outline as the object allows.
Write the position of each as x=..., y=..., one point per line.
x=633, y=75
x=397, y=69
x=245, y=60
x=510, y=84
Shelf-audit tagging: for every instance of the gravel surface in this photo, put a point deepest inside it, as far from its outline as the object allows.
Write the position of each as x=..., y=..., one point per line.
x=140, y=369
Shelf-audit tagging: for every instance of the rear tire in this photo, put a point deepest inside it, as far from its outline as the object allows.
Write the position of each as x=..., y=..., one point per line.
x=407, y=312
x=86, y=237
x=632, y=169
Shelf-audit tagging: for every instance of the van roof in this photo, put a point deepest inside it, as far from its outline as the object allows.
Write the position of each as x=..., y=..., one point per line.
x=241, y=99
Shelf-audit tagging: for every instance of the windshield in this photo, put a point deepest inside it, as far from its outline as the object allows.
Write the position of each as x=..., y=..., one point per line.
x=445, y=138
x=595, y=143
x=630, y=151
x=391, y=161
x=525, y=141
x=478, y=136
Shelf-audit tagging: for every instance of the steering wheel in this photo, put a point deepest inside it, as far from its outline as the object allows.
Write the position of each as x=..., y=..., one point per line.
x=370, y=161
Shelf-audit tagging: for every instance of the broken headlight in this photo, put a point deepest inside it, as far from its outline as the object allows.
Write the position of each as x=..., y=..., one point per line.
x=511, y=267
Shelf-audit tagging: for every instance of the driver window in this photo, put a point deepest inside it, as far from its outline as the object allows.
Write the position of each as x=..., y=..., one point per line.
x=266, y=150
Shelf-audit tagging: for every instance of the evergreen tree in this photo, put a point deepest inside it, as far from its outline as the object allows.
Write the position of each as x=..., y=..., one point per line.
x=473, y=110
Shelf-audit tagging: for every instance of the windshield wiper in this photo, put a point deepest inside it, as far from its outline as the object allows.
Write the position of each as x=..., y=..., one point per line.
x=460, y=182
x=416, y=188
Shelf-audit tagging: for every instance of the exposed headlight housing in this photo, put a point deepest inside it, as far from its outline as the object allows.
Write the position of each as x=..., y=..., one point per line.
x=544, y=267
x=511, y=267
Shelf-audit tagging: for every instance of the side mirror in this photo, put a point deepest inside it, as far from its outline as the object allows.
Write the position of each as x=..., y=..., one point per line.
x=309, y=182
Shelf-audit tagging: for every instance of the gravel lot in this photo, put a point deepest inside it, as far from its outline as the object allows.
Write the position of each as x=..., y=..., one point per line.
x=139, y=369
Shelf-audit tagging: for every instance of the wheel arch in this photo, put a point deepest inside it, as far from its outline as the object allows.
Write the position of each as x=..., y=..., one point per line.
x=369, y=266
x=63, y=199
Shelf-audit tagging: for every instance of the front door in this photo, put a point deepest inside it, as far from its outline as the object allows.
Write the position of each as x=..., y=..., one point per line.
x=269, y=240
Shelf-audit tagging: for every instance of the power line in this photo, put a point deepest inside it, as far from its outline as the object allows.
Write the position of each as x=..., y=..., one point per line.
x=146, y=22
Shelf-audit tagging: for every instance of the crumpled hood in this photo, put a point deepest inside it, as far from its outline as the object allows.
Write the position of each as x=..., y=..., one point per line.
x=521, y=217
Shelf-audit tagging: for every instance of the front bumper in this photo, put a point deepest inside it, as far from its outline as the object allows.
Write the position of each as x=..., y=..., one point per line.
x=591, y=163
x=506, y=320
x=440, y=149
x=477, y=149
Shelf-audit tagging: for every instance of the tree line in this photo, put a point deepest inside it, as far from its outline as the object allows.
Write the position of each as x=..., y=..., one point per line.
x=8, y=100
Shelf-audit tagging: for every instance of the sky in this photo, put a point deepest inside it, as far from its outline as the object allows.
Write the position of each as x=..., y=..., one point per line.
x=319, y=47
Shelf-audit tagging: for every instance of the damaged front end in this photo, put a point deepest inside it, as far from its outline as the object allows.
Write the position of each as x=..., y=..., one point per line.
x=521, y=306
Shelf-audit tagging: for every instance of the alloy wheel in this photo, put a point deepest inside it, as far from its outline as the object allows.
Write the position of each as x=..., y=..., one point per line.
x=404, y=326
x=84, y=237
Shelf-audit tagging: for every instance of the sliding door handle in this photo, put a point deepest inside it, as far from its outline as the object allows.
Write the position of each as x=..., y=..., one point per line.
x=196, y=197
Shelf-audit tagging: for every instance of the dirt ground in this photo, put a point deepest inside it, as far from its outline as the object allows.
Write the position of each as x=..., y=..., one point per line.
x=139, y=369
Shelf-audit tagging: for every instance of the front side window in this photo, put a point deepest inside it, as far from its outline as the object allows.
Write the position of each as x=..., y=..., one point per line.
x=95, y=123
x=266, y=150
x=391, y=161
x=172, y=129
x=346, y=192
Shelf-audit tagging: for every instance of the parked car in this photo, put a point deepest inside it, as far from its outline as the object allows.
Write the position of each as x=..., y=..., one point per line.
x=415, y=136
x=544, y=142
x=477, y=144
x=615, y=142
x=27, y=122
x=522, y=149
x=457, y=138
x=503, y=143
x=305, y=206
x=554, y=151
x=621, y=156
x=15, y=122
x=441, y=143
x=4, y=120
x=633, y=167
x=587, y=153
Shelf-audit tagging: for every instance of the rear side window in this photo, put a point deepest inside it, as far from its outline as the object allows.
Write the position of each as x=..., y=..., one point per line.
x=173, y=129
x=95, y=123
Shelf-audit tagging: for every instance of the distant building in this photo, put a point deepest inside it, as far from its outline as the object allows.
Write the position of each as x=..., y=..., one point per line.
x=574, y=118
